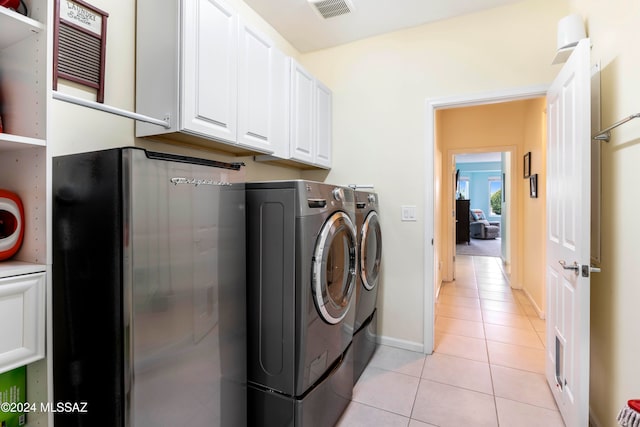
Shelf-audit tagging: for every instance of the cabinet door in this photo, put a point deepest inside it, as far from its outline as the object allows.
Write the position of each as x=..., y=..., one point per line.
x=22, y=314
x=302, y=137
x=209, y=92
x=323, y=125
x=260, y=92
x=280, y=112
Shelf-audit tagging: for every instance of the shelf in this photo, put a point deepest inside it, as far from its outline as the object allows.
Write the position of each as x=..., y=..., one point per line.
x=15, y=27
x=12, y=142
x=19, y=268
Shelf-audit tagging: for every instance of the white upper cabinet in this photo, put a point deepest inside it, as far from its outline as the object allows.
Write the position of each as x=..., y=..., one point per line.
x=262, y=92
x=323, y=104
x=222, y=84
x=311, y=109
x=209, y=69
x=225, y=86
x=302, y=114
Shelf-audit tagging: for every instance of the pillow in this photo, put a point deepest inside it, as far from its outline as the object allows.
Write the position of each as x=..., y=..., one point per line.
x=478, y=215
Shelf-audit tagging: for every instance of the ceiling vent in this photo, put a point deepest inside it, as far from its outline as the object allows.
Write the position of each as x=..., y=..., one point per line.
x=331, y=8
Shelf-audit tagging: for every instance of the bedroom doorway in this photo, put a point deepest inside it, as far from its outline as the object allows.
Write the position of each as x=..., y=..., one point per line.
x=480, y=203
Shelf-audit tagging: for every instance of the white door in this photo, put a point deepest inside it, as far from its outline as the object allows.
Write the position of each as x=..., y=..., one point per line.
x=568, y=238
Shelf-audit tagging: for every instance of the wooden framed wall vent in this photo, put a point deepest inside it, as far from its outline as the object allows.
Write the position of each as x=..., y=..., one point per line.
x=79, y=44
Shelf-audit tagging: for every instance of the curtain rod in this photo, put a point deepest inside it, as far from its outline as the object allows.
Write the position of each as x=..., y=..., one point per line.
x=605, y=134
x=109, y=109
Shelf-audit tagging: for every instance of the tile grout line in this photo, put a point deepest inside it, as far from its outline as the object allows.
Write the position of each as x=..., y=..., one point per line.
x=522, y=312
x=415, y=397
x=486, y=344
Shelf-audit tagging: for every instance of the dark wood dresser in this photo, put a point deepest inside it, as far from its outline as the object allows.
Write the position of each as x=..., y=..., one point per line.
x=462, y=221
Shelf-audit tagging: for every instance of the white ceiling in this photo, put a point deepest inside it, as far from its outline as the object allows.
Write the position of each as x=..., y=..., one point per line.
x=298, y=22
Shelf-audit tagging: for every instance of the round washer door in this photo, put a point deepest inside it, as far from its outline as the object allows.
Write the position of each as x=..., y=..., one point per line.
x=370, y=251
x=334, y=268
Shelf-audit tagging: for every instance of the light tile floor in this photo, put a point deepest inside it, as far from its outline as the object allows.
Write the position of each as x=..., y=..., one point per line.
x=487, y=368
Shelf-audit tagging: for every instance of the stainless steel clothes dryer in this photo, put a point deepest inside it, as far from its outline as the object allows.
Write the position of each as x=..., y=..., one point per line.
x=370, y=255
x=301, y=277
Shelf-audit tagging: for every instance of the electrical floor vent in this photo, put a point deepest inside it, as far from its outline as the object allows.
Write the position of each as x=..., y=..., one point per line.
x=331, y=8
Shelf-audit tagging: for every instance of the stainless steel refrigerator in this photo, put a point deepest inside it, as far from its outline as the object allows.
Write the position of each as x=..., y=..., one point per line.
x=148, y=300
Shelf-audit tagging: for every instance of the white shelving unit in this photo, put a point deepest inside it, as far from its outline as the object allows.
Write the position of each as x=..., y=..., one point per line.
x=16, y=27
x=10, y=142
x=25, y=85
x=19, y=268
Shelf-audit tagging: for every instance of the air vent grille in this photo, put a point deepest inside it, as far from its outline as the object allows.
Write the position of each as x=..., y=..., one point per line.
x=331, y=8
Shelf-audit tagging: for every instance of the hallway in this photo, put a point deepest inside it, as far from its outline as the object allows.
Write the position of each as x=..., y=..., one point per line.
x=487, y=368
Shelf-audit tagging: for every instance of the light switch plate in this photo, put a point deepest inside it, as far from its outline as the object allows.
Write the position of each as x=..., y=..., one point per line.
x=408, y=213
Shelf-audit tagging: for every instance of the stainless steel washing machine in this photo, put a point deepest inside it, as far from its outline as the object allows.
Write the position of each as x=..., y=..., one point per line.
x=301, y=279
x=370, y=256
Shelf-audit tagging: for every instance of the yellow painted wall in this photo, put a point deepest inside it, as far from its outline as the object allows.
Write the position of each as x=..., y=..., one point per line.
x=380, y=86
x=614, y=29
x=533, y=210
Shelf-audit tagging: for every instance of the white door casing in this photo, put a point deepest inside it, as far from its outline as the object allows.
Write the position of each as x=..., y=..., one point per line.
x=568, y=237
x=431, y=192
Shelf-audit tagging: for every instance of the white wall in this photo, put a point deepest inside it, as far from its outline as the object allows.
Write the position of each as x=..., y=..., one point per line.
x=614, y=29
x=75, y=129
x=380, y=86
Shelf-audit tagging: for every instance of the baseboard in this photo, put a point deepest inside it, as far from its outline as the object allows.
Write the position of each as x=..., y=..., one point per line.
x=541, y=314
x=593, y=420
x=402, y=344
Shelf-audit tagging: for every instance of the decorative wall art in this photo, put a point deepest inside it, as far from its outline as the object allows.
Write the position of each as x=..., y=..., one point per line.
x=527, y=165
x=79, y=44
x=533, y=186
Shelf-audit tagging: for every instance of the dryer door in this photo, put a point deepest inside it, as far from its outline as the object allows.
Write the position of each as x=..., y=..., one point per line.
x=334, y=268
x=370, y=251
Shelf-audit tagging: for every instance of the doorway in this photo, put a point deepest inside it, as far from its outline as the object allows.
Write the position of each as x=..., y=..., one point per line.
x=438, y=257
x=480, y=203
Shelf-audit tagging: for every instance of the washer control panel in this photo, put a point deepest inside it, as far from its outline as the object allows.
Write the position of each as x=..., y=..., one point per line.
x=338, y=194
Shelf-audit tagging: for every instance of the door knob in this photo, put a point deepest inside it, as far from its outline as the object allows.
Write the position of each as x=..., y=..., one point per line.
x=587, y=270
